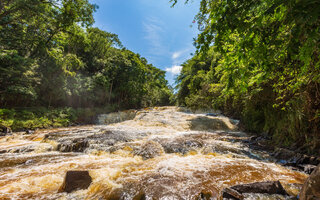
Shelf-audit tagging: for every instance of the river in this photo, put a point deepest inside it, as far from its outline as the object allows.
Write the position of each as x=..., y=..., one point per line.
x=163, y=153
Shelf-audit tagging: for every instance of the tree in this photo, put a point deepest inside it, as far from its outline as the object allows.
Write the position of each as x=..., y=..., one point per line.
x=269, y=62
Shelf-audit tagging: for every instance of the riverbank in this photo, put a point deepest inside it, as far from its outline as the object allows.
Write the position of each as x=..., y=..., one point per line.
x=32, y=118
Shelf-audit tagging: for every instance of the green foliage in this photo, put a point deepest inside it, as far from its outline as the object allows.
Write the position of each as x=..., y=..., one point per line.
x=51, y=56
x=268, y=68
x=20, y=119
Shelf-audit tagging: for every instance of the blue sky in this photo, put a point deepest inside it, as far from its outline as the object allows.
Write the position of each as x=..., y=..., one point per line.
x=152, y=28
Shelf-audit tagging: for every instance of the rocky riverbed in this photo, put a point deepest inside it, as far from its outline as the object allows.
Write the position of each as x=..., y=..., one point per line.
x=158, y=153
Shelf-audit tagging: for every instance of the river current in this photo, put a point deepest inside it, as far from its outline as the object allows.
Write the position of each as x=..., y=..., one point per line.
x=162, y=153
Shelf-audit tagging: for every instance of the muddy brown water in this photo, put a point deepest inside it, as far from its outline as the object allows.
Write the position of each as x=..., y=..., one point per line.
x=163, y=153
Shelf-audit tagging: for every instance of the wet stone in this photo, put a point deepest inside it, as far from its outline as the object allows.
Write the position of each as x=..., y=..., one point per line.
x=23, y=149
x=128, y=191
x=229, y=193
x=77, y=145
x=204, y=196
x=311, y=188
x=180, y=144
x=29, y=132
x=3, y=151
x=148, y=150
x=298, y=161
x=76, y=180
x=269, y=187
x=81, y=141
x=260, y=143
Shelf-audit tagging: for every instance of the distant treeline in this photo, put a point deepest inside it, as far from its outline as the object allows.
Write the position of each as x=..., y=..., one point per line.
x=51, y=56
x=259, y=61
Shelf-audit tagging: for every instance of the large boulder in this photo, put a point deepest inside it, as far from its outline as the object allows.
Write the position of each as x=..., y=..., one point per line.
x=229, y=193
x=76, y=180
x=268, y=187
x=311, y=187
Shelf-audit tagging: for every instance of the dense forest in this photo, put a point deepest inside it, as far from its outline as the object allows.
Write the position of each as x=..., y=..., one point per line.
x=52, y=57
x=259, y=61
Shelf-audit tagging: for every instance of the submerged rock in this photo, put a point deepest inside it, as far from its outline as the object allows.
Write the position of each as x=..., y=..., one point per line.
x=76, y=180
x=148, y=150
x=311, y=188
x=180, y=144
x=82, y=141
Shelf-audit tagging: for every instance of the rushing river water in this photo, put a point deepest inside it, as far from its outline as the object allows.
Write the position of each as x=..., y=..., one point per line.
x=162, y=153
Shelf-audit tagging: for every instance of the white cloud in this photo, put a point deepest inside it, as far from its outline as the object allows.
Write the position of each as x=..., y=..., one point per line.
x=175, y=70
x=153, y=28
x=181, y=56
x=176, y=54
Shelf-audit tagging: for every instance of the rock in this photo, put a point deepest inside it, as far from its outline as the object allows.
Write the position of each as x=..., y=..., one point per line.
x=205, y=123
x=212, y=114
x=129, y=190
x=76, y=180
x=180, y=145
x=3, y=151
x=269, y=187
x=22, y=149
x=77, y=145
x=149, y=150
x=314, y=160
x=222, y=149
x=4, y=130
x=311, y=187
x=29, y=162
x=308, y=169
x=260, y=143
x=283, y=154
x=29, y=132
x=300, y=159
x=254, y=138
x=86, y=140
x=116, y=117
x=302, y=162
x=204, y=196
x=292, y=189
x=229, y=193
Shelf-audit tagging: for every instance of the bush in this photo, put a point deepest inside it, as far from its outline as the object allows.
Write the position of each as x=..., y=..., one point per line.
x=20, y=119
